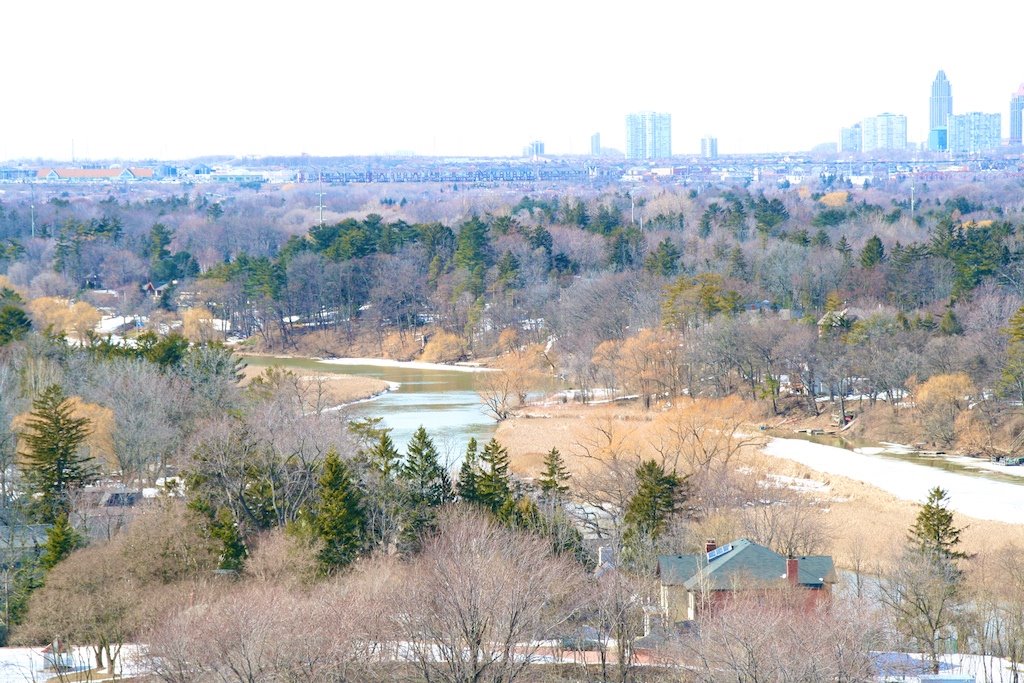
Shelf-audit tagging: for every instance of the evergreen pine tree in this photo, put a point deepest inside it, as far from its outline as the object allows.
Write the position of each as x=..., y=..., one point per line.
x=873, y=252
x=949, y=325
x=384, y=457
x=494, y=485
x=664, y=260
x=844, y=249
x=339, y=522
x=53, y=465
x=933, y=531
x=658, y=496
x=1015, y=327
x=468, y=474
x=738, y=266
x=61, y=541
x=14, y=323
x=553, y=480
x=224, y=528
x=429, y=482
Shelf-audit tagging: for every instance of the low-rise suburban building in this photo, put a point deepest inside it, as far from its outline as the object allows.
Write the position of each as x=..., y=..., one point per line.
x=93, y=174
x=692, y=584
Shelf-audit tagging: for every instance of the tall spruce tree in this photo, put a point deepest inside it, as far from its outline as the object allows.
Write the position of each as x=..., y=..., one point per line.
x=53, y=464
x=469, y=474
x=553, y=481
x=933, y=531
x=494, y=485
x=428, y=481
x=339, y=522
x=61, y=541
x=873, y=252
x=384, y=457
x=659, y=495
x=223, y=528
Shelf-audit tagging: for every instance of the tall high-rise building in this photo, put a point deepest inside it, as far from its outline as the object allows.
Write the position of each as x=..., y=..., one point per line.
x=940, y=108
x=709, y=147
x=1017, y=117
x=595, y=145
x=850, y=139
x=534, y=150
x=974, y=132
x=648, y=135
x=885, y=132
x=941, y=102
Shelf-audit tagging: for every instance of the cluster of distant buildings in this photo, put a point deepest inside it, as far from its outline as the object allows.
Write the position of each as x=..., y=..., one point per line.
x=648, y=137
x=158, y=172
x=969, y=133
x=649, y=133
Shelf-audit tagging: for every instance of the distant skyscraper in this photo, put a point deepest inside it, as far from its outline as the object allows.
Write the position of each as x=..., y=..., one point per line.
x=885, y=132
x=850, y=139
x=595, y=145
x=974, y=132
x=709, y=147
x=648, y=135
x=1017, y=117
x=941, y=103
x=534, y=149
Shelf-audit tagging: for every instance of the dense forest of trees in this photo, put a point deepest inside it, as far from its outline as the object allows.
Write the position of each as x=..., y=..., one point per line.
x=903, y=297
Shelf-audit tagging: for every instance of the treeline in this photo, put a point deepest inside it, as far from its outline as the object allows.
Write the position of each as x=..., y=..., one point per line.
x=771, y=292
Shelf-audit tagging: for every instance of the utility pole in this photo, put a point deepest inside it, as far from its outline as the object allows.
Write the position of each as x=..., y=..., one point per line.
x=32, y=209
x=320, y=194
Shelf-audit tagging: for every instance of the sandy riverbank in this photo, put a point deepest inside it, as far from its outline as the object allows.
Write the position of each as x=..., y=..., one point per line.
x=336, y=389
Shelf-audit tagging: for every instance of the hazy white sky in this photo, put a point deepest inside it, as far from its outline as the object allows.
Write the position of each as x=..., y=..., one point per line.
x=184, y=78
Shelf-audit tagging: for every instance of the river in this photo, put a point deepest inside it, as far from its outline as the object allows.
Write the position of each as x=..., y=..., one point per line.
x=443, y=400
x=972, y=494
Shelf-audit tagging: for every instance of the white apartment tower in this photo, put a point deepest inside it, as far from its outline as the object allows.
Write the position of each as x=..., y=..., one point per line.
x=885, y=132
x=974, y=132
x=648, y=135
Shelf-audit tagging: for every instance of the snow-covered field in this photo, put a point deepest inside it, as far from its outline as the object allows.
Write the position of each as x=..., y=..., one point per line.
x=904, y=667
x=25, y=664
x=972, y=496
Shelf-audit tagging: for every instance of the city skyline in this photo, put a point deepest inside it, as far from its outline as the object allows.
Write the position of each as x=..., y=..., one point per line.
x=455, y=78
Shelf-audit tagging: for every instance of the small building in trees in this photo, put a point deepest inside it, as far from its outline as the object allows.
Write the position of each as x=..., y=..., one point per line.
x=692, y=584
x=58, y=657
x=18, y=541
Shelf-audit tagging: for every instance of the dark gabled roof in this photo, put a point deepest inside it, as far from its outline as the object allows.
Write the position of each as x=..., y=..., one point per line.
x=744, y=564
x=19, y=537
x=674, y=570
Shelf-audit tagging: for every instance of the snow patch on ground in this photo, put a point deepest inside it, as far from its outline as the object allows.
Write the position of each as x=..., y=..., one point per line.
x=798, y=484
x=972, y=496
x=910, y=667
x=26, y=665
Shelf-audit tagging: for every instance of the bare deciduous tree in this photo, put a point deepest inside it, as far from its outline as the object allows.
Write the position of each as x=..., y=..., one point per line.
x=786, y=521
x=923, y=598
x=778, y=637
x=477, y=603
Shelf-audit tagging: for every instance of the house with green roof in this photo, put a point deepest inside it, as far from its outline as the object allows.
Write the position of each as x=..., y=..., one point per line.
x=691, y=584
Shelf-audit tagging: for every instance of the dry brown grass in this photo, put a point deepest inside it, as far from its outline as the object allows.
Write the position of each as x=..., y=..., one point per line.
x=331, y=344
x=865, y=522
